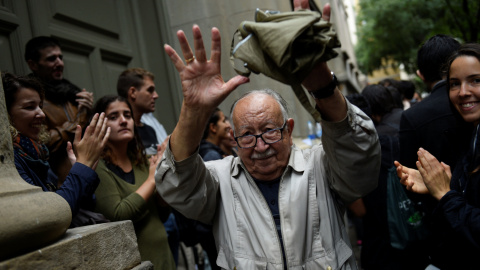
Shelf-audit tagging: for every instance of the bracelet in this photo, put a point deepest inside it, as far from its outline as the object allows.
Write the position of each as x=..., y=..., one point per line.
x=326, y=91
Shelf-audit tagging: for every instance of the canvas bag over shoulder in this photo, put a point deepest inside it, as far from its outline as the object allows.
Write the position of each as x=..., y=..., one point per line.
x=405, y=223
x=285, y=46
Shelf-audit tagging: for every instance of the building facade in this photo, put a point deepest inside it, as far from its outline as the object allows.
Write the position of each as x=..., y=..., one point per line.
x=102, y=38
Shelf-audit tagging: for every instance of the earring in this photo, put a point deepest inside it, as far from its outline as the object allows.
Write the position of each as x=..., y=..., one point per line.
x=13, y=131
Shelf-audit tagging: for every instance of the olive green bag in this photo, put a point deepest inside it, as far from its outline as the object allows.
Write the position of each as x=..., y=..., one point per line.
x=284, y=46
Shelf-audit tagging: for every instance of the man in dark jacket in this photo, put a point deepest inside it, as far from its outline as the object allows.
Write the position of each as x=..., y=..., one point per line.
x=433, y=124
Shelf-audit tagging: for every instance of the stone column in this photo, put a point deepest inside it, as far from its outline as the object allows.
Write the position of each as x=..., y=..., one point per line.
x=29, y=217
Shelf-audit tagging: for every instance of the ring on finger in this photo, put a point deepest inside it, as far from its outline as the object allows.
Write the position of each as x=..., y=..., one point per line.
x=189, y=60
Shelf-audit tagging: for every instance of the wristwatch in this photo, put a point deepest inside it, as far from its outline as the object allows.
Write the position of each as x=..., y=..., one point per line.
x=327, y=90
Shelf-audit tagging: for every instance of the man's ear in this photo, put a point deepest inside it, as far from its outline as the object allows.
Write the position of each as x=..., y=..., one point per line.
x=290, y=126
x=32, y=65
x=132, y=93
x=420, y=75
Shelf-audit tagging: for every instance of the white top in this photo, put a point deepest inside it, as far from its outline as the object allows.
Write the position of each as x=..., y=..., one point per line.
x=149, y=119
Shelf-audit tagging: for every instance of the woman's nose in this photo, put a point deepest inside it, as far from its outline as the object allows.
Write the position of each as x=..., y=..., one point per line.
x=40, y=113
x=123, y=119
x=464, y=89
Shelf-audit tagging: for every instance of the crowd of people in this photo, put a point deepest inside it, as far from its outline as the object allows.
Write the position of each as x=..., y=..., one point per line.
x=233, y=191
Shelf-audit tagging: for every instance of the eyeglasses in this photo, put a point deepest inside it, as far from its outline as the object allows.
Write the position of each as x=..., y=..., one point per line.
x=269, y=137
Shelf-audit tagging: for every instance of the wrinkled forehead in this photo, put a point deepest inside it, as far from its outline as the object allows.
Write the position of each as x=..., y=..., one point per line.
x=256, y=107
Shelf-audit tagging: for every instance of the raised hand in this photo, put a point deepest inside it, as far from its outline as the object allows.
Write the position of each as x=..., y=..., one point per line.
x=203, y=89
x=85, y=100
x=202, y=84
x=303, y=4
x=333, y=108
x=436, y=175
x=312, y=81
x=90, y=147
x=411, y=178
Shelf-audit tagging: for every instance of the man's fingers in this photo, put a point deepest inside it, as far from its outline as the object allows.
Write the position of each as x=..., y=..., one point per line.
x=326, y=12
x=234, y=82
x=215, y=54
x=200, y=54
x=84, y=103
x=300, y=4
x=85, y=97
x=175, y=58
x=186, y=49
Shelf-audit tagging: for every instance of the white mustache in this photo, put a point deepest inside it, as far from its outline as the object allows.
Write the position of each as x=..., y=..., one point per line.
x=270, y=152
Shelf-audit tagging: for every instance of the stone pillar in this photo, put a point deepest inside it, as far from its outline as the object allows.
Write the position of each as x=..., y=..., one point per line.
x=29, y=217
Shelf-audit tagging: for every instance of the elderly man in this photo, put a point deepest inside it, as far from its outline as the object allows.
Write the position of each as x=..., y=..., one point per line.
x=274, y=206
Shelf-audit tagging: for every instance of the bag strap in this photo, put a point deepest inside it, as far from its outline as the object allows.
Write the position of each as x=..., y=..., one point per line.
x=233, y=48
x=303, y=98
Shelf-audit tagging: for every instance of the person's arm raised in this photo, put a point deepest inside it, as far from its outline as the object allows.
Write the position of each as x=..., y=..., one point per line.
x=334, y=107
x=203, y=90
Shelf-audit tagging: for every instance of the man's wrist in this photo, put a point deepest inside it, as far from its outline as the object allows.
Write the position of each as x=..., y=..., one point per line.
x=326, y=91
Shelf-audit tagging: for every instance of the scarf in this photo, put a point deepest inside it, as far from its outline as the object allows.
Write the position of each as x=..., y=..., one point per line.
x=35, y=155
x=59, y=92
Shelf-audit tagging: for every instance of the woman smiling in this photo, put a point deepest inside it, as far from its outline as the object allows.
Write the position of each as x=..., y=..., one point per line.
x=24, y=98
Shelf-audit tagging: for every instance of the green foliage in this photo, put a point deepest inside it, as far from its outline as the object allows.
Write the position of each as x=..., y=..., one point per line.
x=394, y=29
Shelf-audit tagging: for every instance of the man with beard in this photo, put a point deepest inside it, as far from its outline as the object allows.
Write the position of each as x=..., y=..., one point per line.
x=65, y=105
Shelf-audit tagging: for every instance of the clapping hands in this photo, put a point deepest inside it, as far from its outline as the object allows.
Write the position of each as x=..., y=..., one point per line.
x=432, y=177
x=89, y=148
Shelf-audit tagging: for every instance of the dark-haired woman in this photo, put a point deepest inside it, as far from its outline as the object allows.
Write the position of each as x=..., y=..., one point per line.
x=24, y=98
x=216, y=130
x=458, y=195
x=127, y=185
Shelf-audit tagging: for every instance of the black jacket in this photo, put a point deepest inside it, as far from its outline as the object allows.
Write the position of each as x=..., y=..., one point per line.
x=458, y=212
x=434, y=125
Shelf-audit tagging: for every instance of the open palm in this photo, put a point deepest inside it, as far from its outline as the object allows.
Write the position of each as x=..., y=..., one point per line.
x=202, y=83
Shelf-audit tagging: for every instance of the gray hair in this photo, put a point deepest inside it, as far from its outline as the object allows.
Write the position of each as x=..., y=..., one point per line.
x=269, y=92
